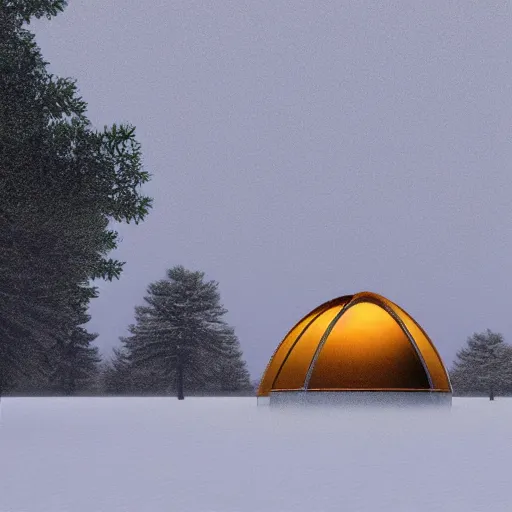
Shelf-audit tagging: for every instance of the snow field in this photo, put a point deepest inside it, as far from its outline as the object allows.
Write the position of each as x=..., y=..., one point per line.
x=228, y=455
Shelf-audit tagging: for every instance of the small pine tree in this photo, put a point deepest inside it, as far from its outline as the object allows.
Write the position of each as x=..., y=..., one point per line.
x=232, y=371
x=181, y=341
x=116, y=378
x=255, y=385
x=485, y=365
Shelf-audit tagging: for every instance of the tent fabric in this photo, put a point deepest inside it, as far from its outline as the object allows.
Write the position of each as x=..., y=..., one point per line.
x=361, y=342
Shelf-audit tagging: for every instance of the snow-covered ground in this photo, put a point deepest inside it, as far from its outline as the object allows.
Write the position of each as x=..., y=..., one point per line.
x=227, y=455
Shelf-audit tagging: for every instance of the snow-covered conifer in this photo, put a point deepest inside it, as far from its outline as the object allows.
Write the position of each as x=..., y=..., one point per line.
x=181, y=341
x=483, y=366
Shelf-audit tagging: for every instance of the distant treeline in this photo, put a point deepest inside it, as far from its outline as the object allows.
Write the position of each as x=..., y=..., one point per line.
x=180, y=344
x=100, y=393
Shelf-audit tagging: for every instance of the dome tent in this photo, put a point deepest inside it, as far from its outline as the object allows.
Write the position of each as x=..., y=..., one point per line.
x=356, y=349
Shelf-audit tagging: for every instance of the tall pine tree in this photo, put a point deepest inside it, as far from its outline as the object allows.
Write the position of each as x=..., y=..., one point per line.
x=180, y=337
x=61, y=183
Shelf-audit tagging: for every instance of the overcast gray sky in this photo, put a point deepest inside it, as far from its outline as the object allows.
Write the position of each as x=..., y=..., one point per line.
x=303, y=150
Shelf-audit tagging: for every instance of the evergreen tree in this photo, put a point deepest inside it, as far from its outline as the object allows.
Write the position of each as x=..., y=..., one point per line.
x=61, y=183
x=232, y=373
x=70, y=364
x=484, y=366
x=116, y=375
x=180, y=335
x=256, y=384
x=75, y=361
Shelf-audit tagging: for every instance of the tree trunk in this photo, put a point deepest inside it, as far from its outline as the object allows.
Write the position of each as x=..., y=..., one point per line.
x=491, y=393
x=179, y=377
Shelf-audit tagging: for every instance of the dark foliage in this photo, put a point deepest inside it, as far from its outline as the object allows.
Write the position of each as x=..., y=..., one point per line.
x=61, y=183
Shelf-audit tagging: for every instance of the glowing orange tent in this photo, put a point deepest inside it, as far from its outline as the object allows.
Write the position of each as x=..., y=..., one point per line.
x=362, y=346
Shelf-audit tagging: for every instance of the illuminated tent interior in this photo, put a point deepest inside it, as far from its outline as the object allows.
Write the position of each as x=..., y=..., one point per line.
x=360, y=347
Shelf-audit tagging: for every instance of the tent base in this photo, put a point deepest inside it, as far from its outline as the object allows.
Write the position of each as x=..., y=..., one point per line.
x=358, y=398
x=263, y=400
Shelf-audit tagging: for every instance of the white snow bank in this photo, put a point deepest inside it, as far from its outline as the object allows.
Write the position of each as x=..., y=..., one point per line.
x=228, y=455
